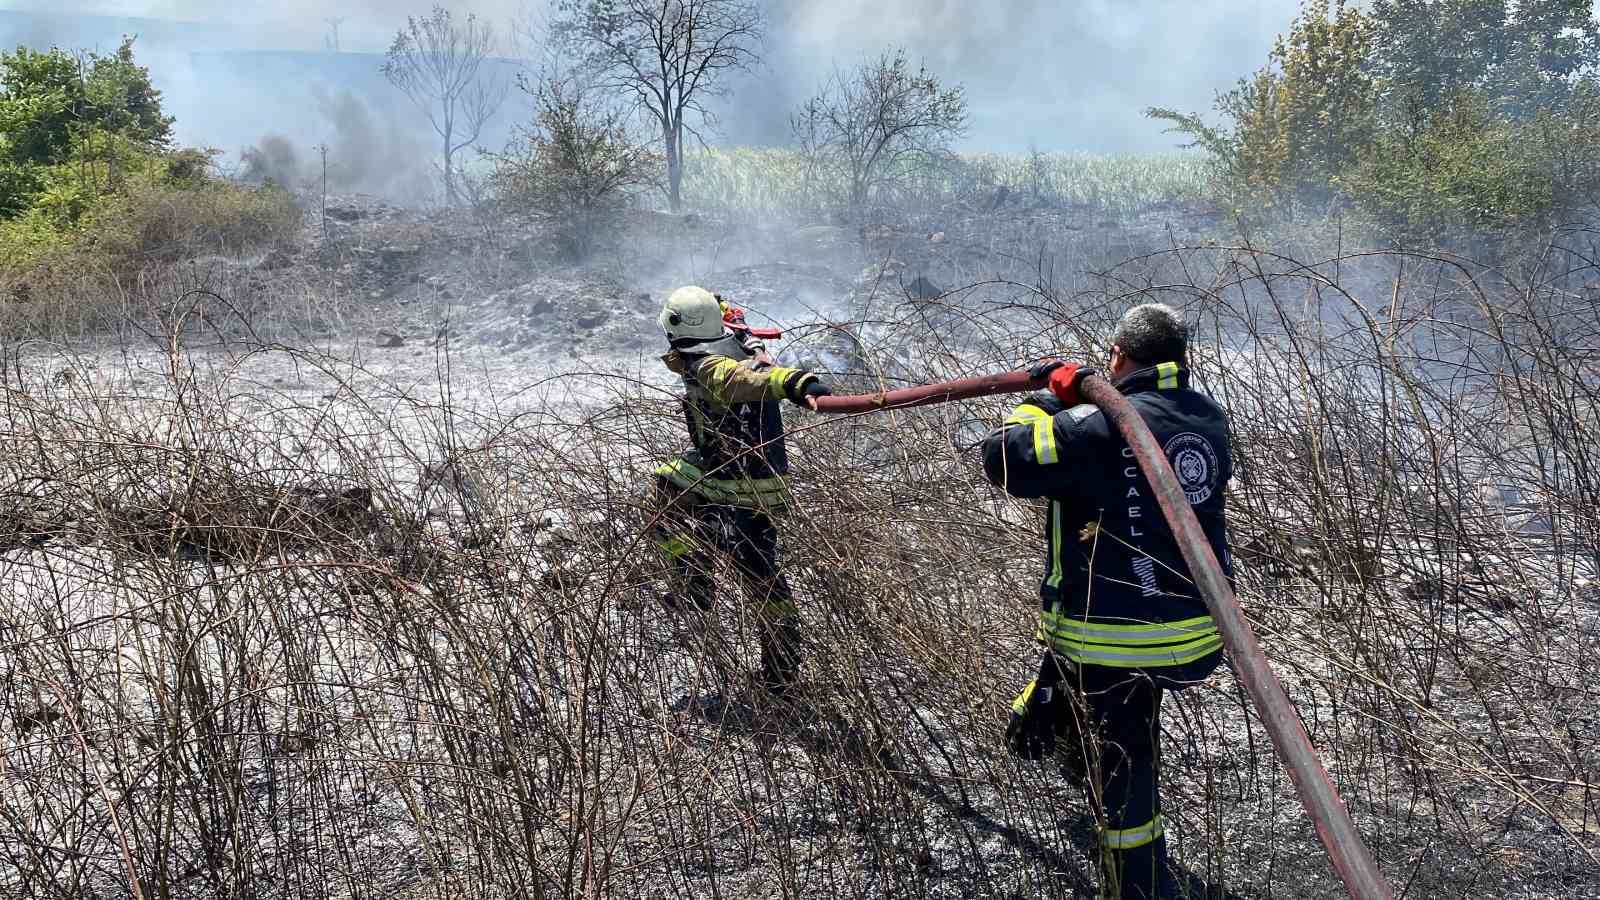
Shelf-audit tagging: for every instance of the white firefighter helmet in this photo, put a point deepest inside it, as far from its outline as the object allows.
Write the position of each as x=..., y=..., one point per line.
x=692, y=314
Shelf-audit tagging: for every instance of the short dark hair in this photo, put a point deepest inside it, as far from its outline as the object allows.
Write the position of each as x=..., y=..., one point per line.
x=1152, y=333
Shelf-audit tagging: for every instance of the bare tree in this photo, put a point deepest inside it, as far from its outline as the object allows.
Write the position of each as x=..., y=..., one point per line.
x=438, y=63
x=873, y=126
x=669, y=54
x=332, y=40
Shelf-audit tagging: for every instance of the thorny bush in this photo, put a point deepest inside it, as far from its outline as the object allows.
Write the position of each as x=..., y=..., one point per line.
x=385, y=646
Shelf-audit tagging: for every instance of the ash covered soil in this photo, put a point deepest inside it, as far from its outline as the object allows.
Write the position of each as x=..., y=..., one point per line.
x=437, y=664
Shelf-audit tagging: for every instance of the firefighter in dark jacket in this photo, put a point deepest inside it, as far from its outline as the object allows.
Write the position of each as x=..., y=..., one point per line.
x=1120, y=620
x=722, y=493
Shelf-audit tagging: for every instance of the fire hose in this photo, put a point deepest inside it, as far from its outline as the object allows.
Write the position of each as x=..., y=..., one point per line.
x=1347, y=851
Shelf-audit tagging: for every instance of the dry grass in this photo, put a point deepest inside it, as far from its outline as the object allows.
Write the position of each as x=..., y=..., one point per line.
x=391, y=645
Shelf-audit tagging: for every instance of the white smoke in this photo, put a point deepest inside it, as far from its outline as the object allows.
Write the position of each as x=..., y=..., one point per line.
x=1060, y=75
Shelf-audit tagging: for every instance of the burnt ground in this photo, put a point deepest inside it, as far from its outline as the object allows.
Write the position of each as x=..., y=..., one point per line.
x=455, y=357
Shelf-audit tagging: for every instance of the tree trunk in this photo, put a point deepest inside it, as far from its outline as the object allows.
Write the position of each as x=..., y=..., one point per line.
x=449, y=172
x=673, y=136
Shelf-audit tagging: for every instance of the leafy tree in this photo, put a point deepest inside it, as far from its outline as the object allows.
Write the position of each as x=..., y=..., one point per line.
x=1301, y=118
x=1466, y=170
x=669, y=55
x=1523, y=56
x=48, y=99
x=41, y=98
x=876, y=125
x=581, y=160
x=121, y=98
x=88, y=110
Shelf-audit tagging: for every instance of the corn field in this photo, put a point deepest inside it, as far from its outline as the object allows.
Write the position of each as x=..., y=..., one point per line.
x=761, y=180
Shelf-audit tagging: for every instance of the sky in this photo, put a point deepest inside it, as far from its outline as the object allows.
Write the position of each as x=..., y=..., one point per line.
x=1057, y=74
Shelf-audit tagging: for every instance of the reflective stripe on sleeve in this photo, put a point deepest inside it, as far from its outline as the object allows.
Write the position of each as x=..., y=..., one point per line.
x=1044, y=431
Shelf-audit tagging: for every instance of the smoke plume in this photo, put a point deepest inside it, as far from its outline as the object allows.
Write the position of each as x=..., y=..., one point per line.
x=1061, y=76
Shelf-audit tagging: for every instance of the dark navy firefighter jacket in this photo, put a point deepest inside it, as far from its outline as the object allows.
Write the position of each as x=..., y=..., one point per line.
x=1116, y=590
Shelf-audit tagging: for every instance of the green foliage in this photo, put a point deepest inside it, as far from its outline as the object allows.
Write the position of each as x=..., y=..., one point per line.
x=582, y=160
x=41, y=98
x=123, y=101
x=19, y=185
x=1433, y=118
x=1522, y=57
x=50, y=100
x=84, y=169
x=767, y=181
x=1465, y=170
x=1299, y=119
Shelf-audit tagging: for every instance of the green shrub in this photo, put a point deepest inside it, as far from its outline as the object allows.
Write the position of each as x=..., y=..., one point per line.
x=1467, y=170
x=158, y=221
x=19, y=186
x=582, y=160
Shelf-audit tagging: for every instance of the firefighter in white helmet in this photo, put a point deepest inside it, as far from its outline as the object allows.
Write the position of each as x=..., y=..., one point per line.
x=721, y=494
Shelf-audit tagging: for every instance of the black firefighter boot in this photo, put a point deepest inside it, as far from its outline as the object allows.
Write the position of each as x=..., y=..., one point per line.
x=781, y=656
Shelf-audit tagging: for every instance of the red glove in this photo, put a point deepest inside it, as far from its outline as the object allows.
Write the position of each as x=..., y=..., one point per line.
x=1064, y=383
x=1063, y=378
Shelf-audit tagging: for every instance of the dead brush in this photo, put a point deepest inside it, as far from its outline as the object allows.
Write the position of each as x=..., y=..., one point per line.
x=295, y=666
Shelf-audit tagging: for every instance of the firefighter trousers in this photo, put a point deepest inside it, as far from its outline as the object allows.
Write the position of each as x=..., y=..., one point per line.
x=691, y=532
x=1113, y=736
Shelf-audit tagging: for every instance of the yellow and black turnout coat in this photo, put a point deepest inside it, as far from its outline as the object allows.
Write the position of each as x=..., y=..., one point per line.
x=1116, y=591
x=732, y=389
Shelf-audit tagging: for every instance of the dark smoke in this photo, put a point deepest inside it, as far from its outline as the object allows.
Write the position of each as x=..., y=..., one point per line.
x=363, y=155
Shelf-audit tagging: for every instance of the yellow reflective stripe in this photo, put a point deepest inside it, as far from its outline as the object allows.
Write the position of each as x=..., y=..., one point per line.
x=1044, y=431
x=1129, y=838
x=1026, y=414
x=1166, y=375
x=1055, y=545
x=1020, y=704
x=1044, y=441
x=777, y=377
x=1134, y=658
x=1131, y=635
x=771, y=491
x=676, y=547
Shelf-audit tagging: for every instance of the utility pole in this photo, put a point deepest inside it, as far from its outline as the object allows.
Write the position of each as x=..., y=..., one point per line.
x=333, y=27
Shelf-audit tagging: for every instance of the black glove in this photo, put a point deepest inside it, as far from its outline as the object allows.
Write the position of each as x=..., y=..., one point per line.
x=815, y=388
x=1031, y=731
x=1043, y=368
x=798, y=384
x=1039, y=715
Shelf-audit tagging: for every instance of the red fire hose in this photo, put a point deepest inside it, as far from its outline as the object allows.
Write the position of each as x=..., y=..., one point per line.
x=944, y=392
x=1349, y=854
